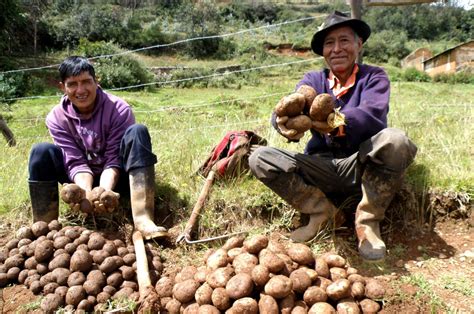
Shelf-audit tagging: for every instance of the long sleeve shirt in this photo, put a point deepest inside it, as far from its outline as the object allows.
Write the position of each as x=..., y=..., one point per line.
x=90, y=145
x=365, y=106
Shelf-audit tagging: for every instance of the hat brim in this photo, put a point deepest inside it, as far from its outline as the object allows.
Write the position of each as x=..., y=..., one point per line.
x=360, y=27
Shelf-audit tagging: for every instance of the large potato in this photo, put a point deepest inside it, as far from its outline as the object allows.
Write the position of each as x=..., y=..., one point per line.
x=338, y=289
x=232, y=253
x=260, y=275
x=74, y=295
x=301, y=123
x=39, y=228
x=217, y=259
x=270, y=260
x=309, y=95
x=43, y=250
x=290, y=265
x=239, y=286
x=186, y=273
x=290, y=105
x=164, y=287
x=322, y=308
x=204, y=294
x=347, y=306
x=300, y=308
x=233, y=242
x=369, y=306
x=300, y=280
x=279, y=286
x=220, y=277
x=356, y=277
x=287, y=303
x=314, y=295
x=267, y=305
x=357, y=290
x=322, y=106
x=184, y=291
x=173, y=306
x=322, y=268
x=16, y=260
x=374, y=290
x=220, y=299
x=60, y=261
x=335, y=260
x=255, y=244
x=244, y=262
x=245, y=305
x=201, y=274
x=301, y=254
x=76, y=279
x=81, y=261
x=337, y=273
x=208, y=309
x=276, y=247
x=51, y=302
x=60, y=275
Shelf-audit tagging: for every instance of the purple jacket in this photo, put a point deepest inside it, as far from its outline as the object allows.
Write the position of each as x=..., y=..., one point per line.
x=365, y=106
x=90, y=145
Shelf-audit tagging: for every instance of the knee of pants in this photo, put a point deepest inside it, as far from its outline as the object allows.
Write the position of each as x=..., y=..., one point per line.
x=43, y=151
x=136, y=129
x=262, y=163
x=399, y=151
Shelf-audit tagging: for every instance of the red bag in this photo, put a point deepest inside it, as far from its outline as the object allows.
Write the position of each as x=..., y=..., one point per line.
x=230, y=156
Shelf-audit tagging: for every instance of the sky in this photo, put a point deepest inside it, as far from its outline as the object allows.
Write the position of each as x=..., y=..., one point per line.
x=466, y=4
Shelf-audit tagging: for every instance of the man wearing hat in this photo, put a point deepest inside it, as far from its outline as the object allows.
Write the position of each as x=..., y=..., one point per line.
x=360, y=157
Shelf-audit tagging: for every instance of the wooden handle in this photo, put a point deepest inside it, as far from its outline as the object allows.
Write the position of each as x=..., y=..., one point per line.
x=143, y=274
x=199, y=204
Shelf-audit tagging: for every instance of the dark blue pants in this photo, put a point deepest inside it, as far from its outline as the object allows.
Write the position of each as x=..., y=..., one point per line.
x=46, y=159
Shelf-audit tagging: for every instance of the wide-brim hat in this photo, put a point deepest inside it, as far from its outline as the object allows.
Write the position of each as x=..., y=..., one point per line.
x=337, y=19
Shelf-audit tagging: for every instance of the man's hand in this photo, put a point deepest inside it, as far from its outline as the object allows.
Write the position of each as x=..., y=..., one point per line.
x=322, y=127
x=73, y=195
x=290, y=134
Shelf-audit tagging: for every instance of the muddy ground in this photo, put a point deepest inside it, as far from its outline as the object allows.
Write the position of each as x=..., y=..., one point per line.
x=429, y=268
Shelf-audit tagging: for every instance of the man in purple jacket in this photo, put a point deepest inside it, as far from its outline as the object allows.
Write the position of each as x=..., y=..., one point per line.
x=361, y=156
x=97, y=148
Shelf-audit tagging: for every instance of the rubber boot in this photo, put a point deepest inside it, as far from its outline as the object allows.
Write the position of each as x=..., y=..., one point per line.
x=44, y=200
x=307, y=199
x=142, y=199
x=378, y=190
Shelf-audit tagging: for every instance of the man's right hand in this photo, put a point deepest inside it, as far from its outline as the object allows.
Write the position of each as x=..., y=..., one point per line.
x=290, y=134
x=76, y=197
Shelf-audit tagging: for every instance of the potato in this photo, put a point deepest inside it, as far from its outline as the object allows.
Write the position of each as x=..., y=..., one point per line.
x=300, y=280
x=184, y=291
x=219, y=277
x=60, y=275
x=270, y=260
x=322, y=268
x=22, y=276
x=125, y=292
x=301, y=123
x=322, y=283
x=322, y=106
x=36, y=287
x=245, y=305
x=357, y=290
x=374, y=290
x=50, y=288
x=192, y=308
x=83, y=239
x=244, y=262
x=309, y=94
x=129, y=259
x=173, y=306
x=23, y=242
x=74, y=295
x=322, y=308
x=239, y=286
x=267, y=305
x=46, y=278
x=279, y=286
x=42, y=268
x=39, y=228
x=54, y=225
x=291, y=105
x=51, y=302
x=233, y=242
x=164, y=287
x=310, y=272
x=92, y=287
x=255, y=244
x=186, y=273
x=26, y=251
x=232, y=253
x=58, y=252
x=118, y=243
x=30, y=279
x=61, y=291
x=81, y=261
x=287, y=303
x=290, y=265
x=201, y=274
x=129, y=284
x=369, y=306
x=300, y=308
x=127, y=272
x=110, y=264
x=301, y=254
x=347, y=306
x=314, y=295
x=14, y=261
x=85, y=305
x=203, y=294
x=338, y=289
x=12, y=274
x=102, y=297
x=217, y=259
x=208, y=309
x=51, y=234
x=61, y=242
x=110, y=290
x=76, y=279
x=96, y=241
x=43, y=250
x=72, y=233
x=13, y=251
x=335, y=260
x=220, y=299
x=115, y=279
x=356, y=277
x=60, y=261
x=260, y=275
x=337, y=273
x=3, y=254
x=24, y=233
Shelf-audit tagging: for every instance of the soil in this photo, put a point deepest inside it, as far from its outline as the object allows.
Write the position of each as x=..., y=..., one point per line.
x=427, y=269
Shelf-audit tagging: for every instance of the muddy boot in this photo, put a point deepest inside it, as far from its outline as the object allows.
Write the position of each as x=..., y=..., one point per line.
x=378, y=190
x=44, y=200
x=142, y=199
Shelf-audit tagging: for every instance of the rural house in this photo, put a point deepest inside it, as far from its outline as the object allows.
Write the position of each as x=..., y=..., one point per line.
x=416, y=58
x=458, y=58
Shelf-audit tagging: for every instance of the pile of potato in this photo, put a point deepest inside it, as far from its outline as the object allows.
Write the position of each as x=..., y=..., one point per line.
x=258, y=275
x=73, y=267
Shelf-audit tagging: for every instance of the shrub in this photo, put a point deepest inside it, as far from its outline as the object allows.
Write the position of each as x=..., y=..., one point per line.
x=464, y=77
x=116, y=71
x=413, y=75
x=13, y=85
x=383, y=46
